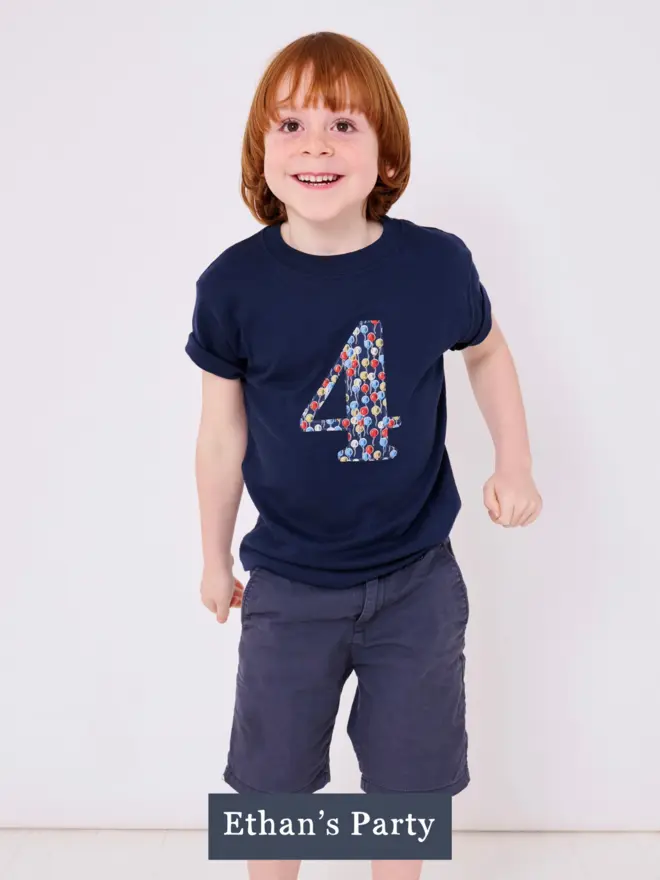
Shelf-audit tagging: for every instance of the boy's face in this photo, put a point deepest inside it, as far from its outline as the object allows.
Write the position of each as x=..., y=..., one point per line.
x=316, y=141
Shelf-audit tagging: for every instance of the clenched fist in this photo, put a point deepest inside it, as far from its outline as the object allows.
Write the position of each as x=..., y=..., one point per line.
x=512, y=498
x=220, y=591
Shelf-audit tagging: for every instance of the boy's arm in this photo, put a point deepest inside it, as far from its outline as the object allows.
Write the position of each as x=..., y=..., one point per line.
x=510, y=494
x=221, y=444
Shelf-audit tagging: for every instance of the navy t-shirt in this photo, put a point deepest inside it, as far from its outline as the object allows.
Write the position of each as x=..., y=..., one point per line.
x=341, y=360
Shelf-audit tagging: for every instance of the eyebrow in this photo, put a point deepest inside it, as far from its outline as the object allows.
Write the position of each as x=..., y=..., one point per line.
x=289, y=106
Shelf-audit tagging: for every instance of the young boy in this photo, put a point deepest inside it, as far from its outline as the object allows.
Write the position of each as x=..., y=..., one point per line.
x=321, y=340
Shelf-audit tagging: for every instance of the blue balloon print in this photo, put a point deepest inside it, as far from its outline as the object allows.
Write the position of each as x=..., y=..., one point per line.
x=383, y=441
x=393, y=452
x=348, y=451
x=363, y=441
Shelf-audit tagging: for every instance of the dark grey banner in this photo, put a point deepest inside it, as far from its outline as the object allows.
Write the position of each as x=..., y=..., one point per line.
x=330, y=826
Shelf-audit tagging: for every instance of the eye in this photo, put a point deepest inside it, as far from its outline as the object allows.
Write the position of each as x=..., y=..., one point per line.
x=284, y=126
x=288, y=122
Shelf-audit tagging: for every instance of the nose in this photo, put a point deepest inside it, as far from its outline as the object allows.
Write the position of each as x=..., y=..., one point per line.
x=314, y=144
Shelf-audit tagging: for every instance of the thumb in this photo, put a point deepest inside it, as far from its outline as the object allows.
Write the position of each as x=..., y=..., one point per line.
x=491, y=500
x=222, y=612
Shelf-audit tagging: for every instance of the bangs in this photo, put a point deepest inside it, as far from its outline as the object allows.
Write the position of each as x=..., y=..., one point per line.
x=337, y=93
x=339, y=77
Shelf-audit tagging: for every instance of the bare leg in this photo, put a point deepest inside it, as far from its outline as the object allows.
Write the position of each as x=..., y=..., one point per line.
x=396, y=870
x=276, y=869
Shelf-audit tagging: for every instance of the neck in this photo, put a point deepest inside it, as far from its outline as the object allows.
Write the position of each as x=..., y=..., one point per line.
x=339, y=235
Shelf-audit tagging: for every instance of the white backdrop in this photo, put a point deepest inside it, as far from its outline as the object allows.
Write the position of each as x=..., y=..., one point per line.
x=535, y=138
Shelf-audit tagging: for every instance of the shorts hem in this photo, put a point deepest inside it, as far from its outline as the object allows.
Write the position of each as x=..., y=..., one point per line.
x=454, y=788
x=241, y=787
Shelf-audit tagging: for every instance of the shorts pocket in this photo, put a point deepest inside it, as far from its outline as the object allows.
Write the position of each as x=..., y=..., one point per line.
x=459, y=579
x=247, y=591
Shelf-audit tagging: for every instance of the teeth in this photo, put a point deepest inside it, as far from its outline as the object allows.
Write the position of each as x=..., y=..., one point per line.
x=317, y=178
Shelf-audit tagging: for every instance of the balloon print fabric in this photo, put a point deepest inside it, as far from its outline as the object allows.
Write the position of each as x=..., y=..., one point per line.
x=367, y=423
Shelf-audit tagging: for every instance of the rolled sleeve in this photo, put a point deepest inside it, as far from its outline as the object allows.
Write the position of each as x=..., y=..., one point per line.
x=213, y=342
x=478, y=320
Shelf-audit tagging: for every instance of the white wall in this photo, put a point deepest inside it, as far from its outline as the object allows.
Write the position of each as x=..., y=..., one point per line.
x=535, y=138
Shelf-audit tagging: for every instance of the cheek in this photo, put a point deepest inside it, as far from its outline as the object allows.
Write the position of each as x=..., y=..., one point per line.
x=365, y=156
x=365, y=166
x=274, y=155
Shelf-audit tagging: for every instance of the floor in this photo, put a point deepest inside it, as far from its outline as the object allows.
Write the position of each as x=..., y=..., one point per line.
x=171, y=855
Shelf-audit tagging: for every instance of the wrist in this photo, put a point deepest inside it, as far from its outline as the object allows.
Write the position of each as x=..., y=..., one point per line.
x=517, y=464
x=220, y=563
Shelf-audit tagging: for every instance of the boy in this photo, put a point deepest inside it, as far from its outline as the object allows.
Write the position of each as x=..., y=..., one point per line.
x=321, y=340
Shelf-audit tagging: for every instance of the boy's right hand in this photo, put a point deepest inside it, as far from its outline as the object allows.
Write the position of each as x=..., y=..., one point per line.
x=220, y=591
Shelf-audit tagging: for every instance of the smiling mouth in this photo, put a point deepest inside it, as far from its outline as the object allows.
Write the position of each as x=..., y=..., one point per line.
x=321, y=181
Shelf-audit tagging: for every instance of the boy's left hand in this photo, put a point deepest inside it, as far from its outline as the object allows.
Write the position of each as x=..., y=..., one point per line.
x=512, y=499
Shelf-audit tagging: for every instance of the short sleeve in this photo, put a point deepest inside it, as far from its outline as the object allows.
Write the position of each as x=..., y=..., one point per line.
x=213, y=342
x=477, y=318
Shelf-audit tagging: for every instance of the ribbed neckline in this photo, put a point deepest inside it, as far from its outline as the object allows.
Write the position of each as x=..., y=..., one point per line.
x=334, y=264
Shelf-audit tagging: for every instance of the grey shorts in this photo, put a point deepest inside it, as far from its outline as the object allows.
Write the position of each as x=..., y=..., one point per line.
x=402, y=634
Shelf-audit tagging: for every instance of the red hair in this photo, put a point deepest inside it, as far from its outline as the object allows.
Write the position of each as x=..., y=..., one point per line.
x=343, y=73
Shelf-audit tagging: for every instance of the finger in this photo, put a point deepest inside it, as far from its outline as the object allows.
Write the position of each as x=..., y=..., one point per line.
x=238, y=594
x=521, y=514
x=491, y=500
x=506, y=512
x=531, y=517
x=537, y=507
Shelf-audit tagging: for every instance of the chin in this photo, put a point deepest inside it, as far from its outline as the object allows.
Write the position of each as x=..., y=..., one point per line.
x=321, y=211
x=319, y=215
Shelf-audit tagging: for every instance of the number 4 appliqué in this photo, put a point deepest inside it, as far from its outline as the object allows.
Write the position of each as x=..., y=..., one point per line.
x=367, y=423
